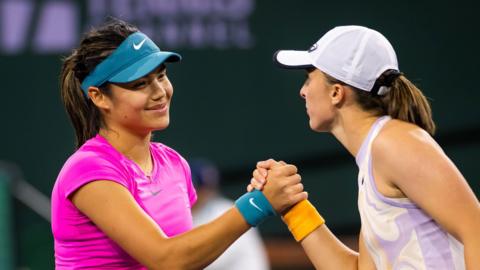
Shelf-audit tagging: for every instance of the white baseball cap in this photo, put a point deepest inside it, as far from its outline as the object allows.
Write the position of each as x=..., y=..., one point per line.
x=355, y=55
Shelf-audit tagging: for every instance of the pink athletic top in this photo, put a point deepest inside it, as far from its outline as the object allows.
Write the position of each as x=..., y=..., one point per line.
x=166, y=196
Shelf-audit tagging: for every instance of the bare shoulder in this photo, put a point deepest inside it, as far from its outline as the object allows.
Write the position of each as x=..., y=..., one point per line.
x=402, y=137
x=403, y=150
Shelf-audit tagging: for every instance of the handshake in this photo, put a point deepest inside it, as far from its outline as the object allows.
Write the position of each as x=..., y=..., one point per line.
x=276, y=188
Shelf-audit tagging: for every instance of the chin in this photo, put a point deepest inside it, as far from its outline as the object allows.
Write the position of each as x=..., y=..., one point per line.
x=161, y=125
x=313, y=125
x=317, y=127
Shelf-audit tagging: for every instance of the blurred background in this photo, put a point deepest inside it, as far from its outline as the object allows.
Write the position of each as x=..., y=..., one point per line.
x=231, y=104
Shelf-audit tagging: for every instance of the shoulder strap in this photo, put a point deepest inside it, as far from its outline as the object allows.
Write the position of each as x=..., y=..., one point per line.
x=376, y=129
x=364, y=151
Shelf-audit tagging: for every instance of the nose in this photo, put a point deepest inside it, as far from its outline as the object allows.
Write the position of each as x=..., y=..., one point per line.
x=303, y=92
x=159, y=90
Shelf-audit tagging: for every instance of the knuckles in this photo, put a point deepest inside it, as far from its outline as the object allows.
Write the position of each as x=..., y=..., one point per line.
x=296, y=178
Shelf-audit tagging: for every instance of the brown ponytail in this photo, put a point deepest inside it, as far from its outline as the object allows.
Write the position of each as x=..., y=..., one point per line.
x=95, y=46
x=404, y=101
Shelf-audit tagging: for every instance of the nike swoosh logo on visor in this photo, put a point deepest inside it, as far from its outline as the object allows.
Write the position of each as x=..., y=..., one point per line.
x=139, y=45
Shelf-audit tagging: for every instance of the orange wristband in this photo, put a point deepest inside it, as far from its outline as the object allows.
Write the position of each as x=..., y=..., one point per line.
x=302, y=219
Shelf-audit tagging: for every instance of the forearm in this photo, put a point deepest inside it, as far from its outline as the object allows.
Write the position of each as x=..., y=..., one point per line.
x=199, y=247
x=325, y=251
x=472, y=249
x=322, y=247
x=202, y=245
x=113, y=209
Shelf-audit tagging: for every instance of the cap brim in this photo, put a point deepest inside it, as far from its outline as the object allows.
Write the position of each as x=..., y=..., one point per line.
x=144, y=66
x=292, y=59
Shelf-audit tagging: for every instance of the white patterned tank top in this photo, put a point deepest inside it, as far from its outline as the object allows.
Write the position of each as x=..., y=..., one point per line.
x=397, y=233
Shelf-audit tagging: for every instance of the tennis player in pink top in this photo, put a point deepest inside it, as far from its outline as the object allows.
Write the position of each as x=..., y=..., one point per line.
x=121, y=201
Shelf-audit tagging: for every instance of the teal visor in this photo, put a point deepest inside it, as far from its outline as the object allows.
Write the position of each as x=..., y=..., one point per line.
x=136, y=56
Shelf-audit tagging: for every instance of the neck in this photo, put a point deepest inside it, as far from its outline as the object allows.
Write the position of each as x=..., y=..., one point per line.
x=136, y=147
x=351, y=128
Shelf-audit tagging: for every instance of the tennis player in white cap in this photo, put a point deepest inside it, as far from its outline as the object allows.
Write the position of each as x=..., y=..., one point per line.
x=417, y=211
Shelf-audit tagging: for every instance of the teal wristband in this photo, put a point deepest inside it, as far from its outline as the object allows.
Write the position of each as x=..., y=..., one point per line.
x=254, y=207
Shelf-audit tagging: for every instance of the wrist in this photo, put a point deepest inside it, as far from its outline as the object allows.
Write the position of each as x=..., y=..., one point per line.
x=254, y=207
x=302, y=219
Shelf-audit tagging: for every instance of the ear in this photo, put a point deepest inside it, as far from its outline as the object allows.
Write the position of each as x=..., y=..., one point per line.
x=98, y=98
x=337, y=94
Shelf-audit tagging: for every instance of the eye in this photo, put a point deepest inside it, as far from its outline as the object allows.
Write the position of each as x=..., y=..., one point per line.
x=139, y=84
x=161, y=75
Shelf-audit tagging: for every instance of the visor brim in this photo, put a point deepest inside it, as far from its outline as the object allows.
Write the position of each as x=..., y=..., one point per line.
x=291, y=59
x=144, y=66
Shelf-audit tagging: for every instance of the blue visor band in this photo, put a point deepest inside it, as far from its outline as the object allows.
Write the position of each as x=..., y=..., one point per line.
x=136, y=56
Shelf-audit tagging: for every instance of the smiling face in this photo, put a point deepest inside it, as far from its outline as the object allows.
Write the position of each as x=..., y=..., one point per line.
x=140, y=106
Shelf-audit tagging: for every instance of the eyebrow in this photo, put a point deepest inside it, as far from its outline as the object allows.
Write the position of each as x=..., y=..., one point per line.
x=160, y=69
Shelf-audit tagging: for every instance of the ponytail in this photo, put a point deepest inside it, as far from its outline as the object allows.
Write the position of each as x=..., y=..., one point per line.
x=404, y=101
x=84, y=115
x=96, y=45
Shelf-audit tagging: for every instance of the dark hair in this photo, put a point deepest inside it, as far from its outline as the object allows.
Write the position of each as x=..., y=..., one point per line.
x=404, y=101
x=95, y=46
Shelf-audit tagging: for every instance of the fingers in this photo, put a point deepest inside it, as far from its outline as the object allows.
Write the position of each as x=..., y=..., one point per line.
x=260, y=176
x=257, y=184
x=269, y=164
x=297, y=188
x=289, y=169
x=294, y=179
x=258, y=180
x=284, y=170
x=284, y=189
x=293, y=190
x=299, y=197
x=262, y=171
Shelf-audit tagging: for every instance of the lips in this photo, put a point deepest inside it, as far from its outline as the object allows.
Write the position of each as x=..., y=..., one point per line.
x=157, y=106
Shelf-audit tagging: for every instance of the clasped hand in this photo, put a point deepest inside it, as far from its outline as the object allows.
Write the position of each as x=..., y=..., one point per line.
x=280, y=183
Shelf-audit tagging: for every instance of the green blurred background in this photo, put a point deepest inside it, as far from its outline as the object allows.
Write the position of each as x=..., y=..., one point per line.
x=231, y=104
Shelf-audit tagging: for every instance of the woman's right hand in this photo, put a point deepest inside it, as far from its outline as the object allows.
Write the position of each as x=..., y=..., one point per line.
x=281, y=184
x=260, y=173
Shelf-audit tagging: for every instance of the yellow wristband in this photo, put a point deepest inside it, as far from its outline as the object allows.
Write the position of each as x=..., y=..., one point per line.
x=303, y=219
